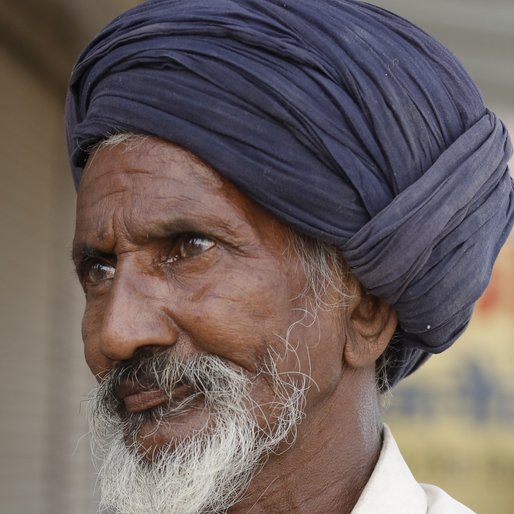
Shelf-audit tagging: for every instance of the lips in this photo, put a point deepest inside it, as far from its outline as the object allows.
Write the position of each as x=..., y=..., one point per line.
x=144, y=400
x=137, y=399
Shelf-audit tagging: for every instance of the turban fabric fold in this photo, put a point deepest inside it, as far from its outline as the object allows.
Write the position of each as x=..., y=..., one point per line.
x=343, y=120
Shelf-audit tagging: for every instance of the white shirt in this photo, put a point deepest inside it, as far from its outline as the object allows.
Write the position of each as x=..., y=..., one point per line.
x=392, y=489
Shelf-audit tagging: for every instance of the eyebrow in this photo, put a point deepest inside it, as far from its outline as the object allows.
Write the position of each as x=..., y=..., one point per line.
x=166, y=229
x=215, y=227
x=81, y=253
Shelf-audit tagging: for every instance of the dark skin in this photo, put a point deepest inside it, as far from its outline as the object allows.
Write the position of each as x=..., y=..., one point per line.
x=171, y=255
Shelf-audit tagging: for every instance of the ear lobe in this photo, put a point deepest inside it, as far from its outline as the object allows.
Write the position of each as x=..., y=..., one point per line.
x=371, y=325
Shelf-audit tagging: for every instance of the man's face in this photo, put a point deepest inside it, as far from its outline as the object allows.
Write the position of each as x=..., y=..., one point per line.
x=178, y=266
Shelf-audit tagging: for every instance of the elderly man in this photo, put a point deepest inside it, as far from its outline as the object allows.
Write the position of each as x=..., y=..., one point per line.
x=284, y=207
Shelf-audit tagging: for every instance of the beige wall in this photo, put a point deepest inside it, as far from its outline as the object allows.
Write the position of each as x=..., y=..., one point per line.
x=43, y=469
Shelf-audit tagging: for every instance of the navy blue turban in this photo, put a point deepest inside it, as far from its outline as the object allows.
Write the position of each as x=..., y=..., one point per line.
x=342, y=119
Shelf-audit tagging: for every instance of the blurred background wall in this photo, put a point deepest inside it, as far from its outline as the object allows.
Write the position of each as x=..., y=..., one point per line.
x=454, y=419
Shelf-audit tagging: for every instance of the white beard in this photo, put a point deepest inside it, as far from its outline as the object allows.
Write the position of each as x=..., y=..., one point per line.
x=209, y=470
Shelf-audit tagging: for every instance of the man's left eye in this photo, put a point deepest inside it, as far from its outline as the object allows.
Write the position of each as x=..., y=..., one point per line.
x=189, y=245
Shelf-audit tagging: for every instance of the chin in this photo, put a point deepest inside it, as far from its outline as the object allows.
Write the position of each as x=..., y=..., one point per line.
x=157, y=433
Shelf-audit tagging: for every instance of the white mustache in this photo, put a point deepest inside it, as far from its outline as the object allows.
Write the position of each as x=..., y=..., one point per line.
x=206, y=376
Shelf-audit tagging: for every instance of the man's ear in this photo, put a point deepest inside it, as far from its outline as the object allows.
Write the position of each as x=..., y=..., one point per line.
x=371, y=325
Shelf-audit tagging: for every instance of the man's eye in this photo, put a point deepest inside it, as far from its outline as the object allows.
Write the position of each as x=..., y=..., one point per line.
x=188, y=246
x=98, y=272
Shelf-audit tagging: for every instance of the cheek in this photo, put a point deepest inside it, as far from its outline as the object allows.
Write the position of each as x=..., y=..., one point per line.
x=240, y=317
x=325, y=352
x=315, y=346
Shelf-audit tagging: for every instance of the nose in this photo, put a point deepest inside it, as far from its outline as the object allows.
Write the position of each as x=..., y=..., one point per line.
x=135, y=316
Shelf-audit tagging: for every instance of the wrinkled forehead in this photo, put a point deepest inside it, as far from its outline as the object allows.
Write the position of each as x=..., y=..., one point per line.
x=148, y=184
x=139, y=162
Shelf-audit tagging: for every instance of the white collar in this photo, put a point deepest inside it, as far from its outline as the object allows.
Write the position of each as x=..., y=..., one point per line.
x=391, y=489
